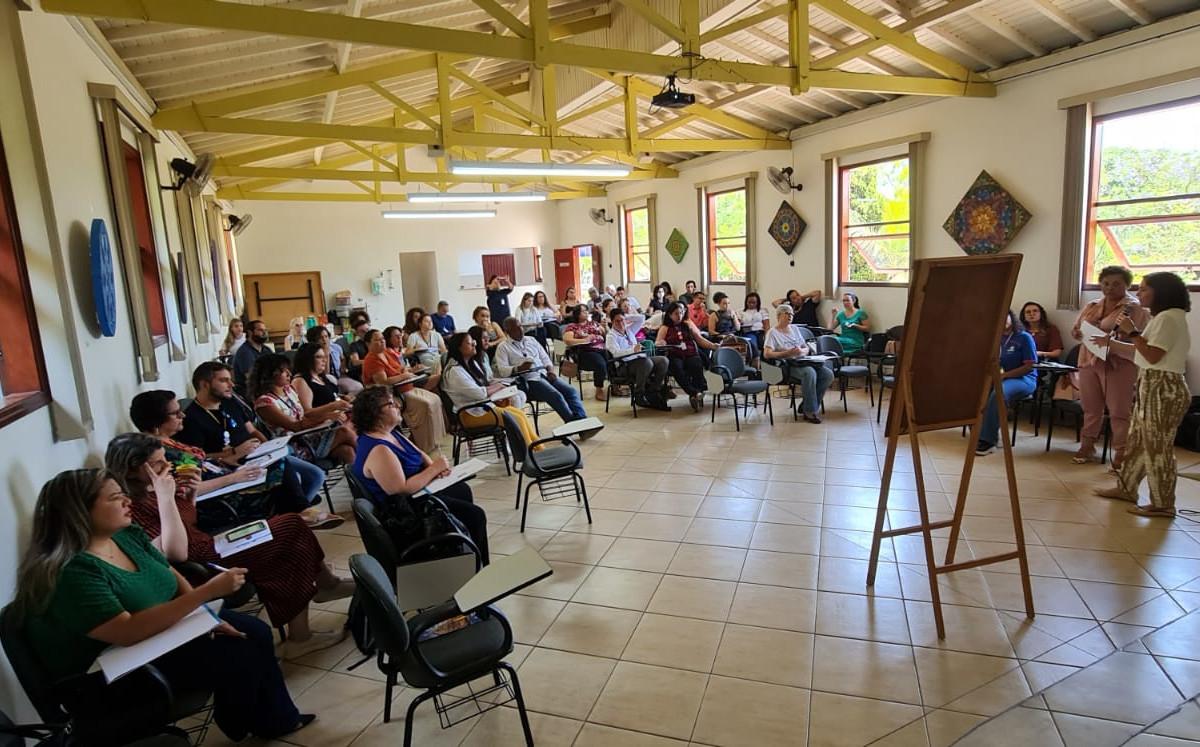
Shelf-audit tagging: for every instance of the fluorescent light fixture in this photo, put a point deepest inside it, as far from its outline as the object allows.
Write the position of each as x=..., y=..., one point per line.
x=435, y=214
x=516, y=168
x=426, y=197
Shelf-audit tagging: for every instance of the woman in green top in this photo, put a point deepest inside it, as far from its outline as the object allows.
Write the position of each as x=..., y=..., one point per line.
x=855, y=324
x=91, y=578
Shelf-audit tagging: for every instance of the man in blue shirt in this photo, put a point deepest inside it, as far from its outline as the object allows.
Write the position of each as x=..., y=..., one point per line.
x=1018, y=353
x=442, y=321
x=254, y=348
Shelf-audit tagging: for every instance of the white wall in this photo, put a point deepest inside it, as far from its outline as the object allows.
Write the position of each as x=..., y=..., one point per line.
x=1018, y=137
x=60, y=67
x=349, y=243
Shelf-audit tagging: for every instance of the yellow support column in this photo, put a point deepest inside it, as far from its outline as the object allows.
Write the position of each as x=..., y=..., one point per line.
x=445, y=110
x=631, y=120
x=798, y=46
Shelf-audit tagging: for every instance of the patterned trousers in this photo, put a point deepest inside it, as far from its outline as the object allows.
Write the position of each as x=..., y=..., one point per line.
x=1162, y=401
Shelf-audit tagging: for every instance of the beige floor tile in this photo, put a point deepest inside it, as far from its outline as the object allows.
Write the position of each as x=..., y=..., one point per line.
x=639, y=554
x=1123, y=687
x=737, y=712
x=845, y=721
x=651, y=699
x=1082, y=731
x=705, y=561
x=604, y=521
x=618, y=587
x=621, y=497
x=858, y=616
x=946, y=676
x=562, y=584
x=786, y=538
x=1183, y=724
x=1170, y=572
x=502, y=726
x=1018, y=726
x=677, y=483
x=595, y=735
x=678, y=504
x=657, y=527
x=345, y=705
x=530, y=617
x=573, y=547
x=972, y=629
x=1095, y=565
x=780, y=569
x=1052, y=596
x=992, y=698
x=945, y=727
x=737, y=509
x=706, y=531
x=722, y=487
x=1178, y=639
x=589, y=629
x=702, y=598
x=884, y=671
x=563, y=683
x=679, y=642
x=782, y=657
x=1110, y=601
x=774, y=607
x=849, y=575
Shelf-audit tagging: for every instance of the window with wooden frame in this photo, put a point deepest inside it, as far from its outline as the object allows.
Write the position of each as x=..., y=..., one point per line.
x=143, y=233
x=725, y=235
x=1144, y=192
x=636, y=240
x=24, y=386
x=874, y=229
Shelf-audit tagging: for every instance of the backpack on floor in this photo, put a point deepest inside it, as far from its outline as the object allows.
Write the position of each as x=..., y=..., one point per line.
x=1188, y=435
x=360, y=630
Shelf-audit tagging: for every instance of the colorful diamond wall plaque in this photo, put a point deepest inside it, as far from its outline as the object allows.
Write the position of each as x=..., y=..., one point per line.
x=787, y=227
x=677, y=245
x=987, y=218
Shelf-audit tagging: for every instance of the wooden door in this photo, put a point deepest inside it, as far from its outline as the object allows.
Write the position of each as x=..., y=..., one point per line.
x=566, y=272
x=276, y=297
x=502, y=265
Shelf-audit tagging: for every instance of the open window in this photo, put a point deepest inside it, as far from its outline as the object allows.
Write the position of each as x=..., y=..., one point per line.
x=725, y=220
x=874, y=229
x=636, y=240
x=24, y=386
x=1144, y=192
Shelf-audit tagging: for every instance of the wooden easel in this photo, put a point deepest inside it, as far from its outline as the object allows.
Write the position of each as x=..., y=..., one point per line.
x=951, y=398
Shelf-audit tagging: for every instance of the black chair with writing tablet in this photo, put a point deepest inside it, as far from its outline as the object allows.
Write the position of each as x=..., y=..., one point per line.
x=443, y=662
x=729, y=377
x=842, y=371
x=491, y=434
x=548, y=467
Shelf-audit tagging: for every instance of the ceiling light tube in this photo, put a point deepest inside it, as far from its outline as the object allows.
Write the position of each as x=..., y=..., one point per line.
x=427, y=197
x=435, y=214
x=514, y=168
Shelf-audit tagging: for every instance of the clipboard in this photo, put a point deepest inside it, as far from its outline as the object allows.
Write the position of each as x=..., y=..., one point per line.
x=117, y=661
x=458, y=473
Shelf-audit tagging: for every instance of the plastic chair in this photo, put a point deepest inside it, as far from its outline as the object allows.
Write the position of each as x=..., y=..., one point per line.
x=437, y=664
x=618, y=375
x=842, y=371
x=542, y=463
x=731, y=368
x=1072, y=407
x=461, y=433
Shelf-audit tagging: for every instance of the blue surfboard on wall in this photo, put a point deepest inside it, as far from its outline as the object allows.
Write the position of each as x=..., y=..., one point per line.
x=103, y=289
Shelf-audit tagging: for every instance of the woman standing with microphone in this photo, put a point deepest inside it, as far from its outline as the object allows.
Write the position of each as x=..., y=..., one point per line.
x=1160, y=350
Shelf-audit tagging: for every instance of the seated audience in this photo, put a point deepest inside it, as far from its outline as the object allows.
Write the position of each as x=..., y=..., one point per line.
x=295, y=336
x=320, y=337
x=288, y=572
x=726, y=321
x=443, y=323
x=682, y=340
x=530, y=319
x=783, y=345
x=466, y=382
x=584, y=338
x=279, y=407
x=422, y=408
x=498, y=289
x=493, y=335
x=1046, y=338
x=688, y=289
x=622, y=295
x=255, y=347
x=412, y=321
x=428, y=347
x=521, y=356
x=233, y=338
x=551, y=316
x=594, y=299
x=804, y=306
x=649, y=372
x=659, y=301
x=311, y=379
x=626, y=308
x=755, y=319
x=222, y=426
x=854, y=323
x=91, y=578
x=697, y=310
x=391, y=467
x=360, y=325
x=570, y=300
x=1017, y=356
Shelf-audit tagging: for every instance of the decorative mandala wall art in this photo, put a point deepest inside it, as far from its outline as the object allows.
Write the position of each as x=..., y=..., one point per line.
x=987, y=218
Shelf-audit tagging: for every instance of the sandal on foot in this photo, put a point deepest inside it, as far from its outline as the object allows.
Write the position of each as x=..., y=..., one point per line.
x=1153, y=512
x=1081, y=457
x=1116, y=495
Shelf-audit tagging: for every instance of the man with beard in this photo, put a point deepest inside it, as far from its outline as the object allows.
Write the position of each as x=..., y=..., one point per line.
x=254, y=348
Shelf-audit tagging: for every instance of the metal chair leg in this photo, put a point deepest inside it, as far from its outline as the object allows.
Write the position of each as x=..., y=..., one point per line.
x=387, y=697
x=520, y=479
x=512, y=673
x=525, y=507
x=408, y=718
x=736, y=421
x=587, y=509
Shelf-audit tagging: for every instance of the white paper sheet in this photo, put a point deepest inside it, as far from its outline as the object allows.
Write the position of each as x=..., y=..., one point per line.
x=1089, y=331
x=233, y=488
x=117, y=661
x=505, y=393
x=457, y=474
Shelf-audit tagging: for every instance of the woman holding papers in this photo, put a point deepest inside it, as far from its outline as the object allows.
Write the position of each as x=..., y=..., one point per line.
x=784, y=343
x=466, y=383
x=1161, y=352
x=428, y=347
x=422, y=408
x=279, y=407
x=681, y=338
x=1108, y=382
x=388, y=464
x=289, y=571
x=91, y=578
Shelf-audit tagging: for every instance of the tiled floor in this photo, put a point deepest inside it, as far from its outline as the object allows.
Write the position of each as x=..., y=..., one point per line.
x=719, y=598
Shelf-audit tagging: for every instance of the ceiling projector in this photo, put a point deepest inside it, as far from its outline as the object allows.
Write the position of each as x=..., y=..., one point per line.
x=671, y=97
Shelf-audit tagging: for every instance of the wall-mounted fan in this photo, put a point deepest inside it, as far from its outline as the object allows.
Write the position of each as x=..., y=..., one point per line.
x=239, y=224
x=781, y=179
x=599, y=216
x=192, y=175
